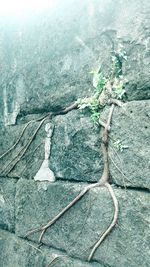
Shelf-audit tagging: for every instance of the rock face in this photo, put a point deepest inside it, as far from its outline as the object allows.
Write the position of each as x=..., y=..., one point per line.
x=18, y=252
x=49, y=55
x=75, y=151
x=35, y=206
x=130, y=126
x=7, y=204
x=46, y=58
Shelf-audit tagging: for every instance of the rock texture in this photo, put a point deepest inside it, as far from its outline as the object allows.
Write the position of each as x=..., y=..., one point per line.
x=35, y=206
x=130, y=125
x=17, y=252
x=49, y=55
x=7, y=204
x=31, y=161
x=45, y=62
x=75, y=153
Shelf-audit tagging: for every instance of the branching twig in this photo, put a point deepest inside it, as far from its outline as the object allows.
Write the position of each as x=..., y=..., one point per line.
x=55, y=259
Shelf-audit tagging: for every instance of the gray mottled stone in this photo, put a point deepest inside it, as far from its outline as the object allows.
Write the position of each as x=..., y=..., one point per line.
x=130, y=125
x=30, y=163
x=84, y=223
x=17, y=252
x=7, y=203
x=46, y=58
x=75, y=153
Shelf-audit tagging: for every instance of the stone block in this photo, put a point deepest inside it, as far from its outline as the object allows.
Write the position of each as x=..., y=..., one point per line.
x=77, y=230
x=7, y=203
x=30, y=162
x=48, y=68
x=76, y=153
x=17, y=252
x=130, y=166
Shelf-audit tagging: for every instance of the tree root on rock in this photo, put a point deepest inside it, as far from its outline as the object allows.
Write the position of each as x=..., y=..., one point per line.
x=14, y=161
x=103, y=181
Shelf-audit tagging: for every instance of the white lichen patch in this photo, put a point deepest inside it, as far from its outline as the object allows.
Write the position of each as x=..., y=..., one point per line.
x=45, y=173
x=17, y=100
x=2, y=200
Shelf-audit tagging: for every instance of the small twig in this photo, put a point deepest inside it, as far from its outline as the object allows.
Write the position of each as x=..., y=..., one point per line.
x=67, y=109
x=113, y=223
x=35, y=247
x=116, y=102
x=52, y=261
x=120, y=171
x=103, y=124
x=56, y=258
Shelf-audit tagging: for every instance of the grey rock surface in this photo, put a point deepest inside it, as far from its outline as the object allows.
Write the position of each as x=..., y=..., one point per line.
x=45, y=62
x=17, y=252
x=83, y=224
x=7, y=204
x=131, y=128
x=75, y=153
x=30, y=162
x=47, y=56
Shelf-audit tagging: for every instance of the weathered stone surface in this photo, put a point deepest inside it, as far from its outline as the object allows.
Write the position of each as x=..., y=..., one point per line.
x=130, y=125
x=83, y=224
x=7, y=203
x=17, y=252
x=30, y=163
x=75, y=153
x=46, y=57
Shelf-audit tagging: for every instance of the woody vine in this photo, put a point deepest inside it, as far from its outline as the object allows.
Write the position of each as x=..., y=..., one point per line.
x=109, y=91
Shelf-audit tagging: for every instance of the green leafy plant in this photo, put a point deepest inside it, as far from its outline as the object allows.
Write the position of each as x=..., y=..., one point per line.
x=118, y=88
x=108, y=87
x=93, y=104
x=99, y=81
x=119, y=146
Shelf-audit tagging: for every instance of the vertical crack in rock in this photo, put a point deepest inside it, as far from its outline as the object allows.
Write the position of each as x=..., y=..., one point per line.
x=45, y=173
x=9, y=118
x=17, y=100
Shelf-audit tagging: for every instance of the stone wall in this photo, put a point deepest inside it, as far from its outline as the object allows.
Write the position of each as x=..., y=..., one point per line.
x=45, y=64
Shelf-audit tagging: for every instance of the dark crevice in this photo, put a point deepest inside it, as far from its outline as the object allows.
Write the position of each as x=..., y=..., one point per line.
x=140, y=189
x=100, y=262
x=75, y=181
x=60, y=250
x=8, y=178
